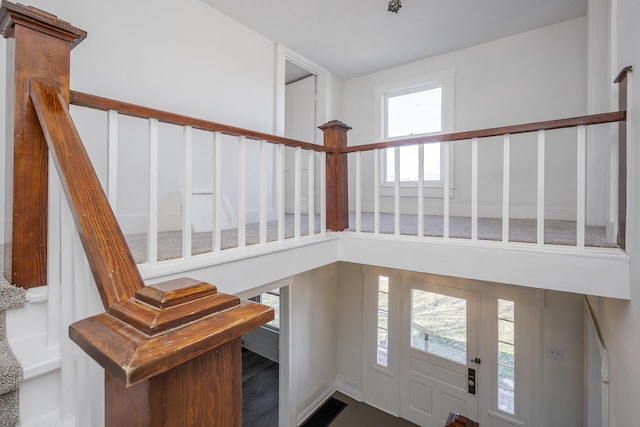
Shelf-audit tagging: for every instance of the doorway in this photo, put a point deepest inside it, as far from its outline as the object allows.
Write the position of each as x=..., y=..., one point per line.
x=437, y=344
x=439, y=340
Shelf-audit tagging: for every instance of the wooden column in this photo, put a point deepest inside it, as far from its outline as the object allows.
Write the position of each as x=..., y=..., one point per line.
x=38, y=45
x=335, y=137
x=621, y=79
x=172, y=355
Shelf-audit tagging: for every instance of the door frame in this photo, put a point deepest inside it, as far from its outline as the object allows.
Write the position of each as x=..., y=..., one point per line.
x=473, y=325
x=323, y=89
x=529, y=306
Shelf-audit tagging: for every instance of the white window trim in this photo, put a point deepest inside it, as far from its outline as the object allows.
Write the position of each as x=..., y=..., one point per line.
x=444, y=79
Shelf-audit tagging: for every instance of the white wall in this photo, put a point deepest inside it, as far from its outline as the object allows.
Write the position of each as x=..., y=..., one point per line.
x=314, y=320
x=620, y=320
x=533, y=76
x=562, y=380
x=183, y=57
x=350, y=309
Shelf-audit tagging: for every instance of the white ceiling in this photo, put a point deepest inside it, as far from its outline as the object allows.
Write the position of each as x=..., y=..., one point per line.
x=355, y=37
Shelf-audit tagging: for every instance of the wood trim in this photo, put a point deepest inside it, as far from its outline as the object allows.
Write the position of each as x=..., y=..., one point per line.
x=131, y=356
x=622, y=81
x=116, y=274
x=105, y=104
x=593, y=119
x=41, y=49
x=623, y=74
x=337, y=175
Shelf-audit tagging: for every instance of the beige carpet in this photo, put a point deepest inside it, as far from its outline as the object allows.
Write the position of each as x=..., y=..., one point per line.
x=521, y=230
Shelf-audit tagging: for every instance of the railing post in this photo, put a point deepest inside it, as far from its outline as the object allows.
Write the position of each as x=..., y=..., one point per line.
x=622, y=81
x=38, y=45
x=337, y=185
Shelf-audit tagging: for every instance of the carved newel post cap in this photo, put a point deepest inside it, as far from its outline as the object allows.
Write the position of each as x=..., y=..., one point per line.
x=164, y=326
x=34, y=18
x=335, y=124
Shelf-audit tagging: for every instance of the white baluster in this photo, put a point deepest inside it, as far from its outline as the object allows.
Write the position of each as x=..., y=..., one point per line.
x=446, y=184
x=506, y=180
x=217, y=191
x=263, y=190
x=376, y=191
x=358, y=192
x=420, y=190
x=242, y=191
x=188, y=189
x=474, y=189
x=112, y=159
x=396, y=192
x=541, y=184
x=297, y=190
x=280, y=165
x=311, y=193
x=582, y=187
x=323, y=192
x=152, y=226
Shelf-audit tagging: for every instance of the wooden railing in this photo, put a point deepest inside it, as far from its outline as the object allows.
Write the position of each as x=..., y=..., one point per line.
x=475, y=137
x=171, y=351
x=267, y=174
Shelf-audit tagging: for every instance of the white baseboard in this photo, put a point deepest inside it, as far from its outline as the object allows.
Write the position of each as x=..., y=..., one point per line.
x=350, y=388
x=312, y=403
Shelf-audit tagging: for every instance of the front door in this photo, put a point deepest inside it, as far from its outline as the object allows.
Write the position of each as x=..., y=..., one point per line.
x=439, y=341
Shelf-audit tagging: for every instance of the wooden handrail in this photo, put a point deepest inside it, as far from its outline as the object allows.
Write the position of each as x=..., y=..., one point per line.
x=105, y=104
x=594, y=119
x=178, y=339
x=114, y=269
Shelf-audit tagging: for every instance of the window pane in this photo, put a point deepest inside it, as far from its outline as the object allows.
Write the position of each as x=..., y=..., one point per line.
x=439, y=325
x=381, y=358
x=383, y=284
x=505, y=331
x=272, y=301
x=506, y=356
x=382, y=321
x=409, y=168
x=414, y=113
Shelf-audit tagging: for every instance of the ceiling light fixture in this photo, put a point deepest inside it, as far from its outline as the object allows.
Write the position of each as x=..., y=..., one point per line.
x=394, y=6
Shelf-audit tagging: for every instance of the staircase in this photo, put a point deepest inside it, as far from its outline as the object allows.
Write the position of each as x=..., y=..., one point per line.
x=11, y=372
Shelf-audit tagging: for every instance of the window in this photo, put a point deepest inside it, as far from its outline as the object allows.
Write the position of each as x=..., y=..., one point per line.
x=439, y=325
x=415, y=107
x=382, y=349
x=272, y=299
x=506, y=356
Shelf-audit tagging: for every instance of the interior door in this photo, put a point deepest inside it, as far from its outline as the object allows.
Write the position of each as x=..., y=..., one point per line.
x=300, y=124
x=439, y=342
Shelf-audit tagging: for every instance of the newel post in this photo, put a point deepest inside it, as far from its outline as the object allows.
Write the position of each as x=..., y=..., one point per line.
x=38, y=45
x=337, y=185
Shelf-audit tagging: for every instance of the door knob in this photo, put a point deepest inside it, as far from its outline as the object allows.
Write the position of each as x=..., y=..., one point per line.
x=476, y=360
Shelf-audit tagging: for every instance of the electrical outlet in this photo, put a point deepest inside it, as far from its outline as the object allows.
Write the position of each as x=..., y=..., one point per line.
x=555, y=353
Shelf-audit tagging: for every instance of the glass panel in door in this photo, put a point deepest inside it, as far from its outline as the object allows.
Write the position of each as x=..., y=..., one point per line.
x=439, y=325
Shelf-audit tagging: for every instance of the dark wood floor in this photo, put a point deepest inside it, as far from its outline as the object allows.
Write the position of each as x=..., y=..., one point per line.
x=259, y=391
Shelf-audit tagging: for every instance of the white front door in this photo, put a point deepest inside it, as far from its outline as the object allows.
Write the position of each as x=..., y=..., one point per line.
x=439, y=341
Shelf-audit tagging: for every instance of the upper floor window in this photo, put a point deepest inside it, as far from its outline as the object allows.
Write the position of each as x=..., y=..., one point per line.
x=419, y=107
